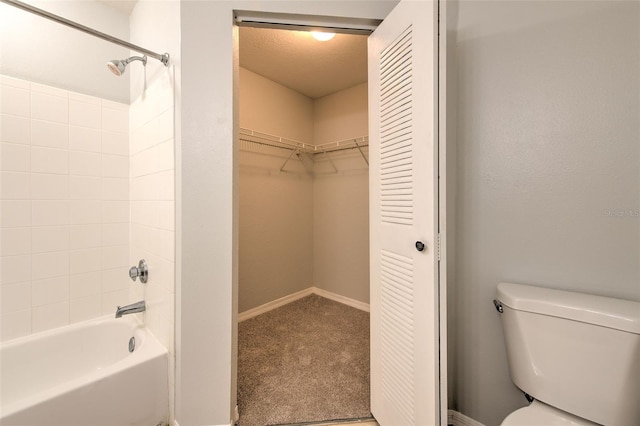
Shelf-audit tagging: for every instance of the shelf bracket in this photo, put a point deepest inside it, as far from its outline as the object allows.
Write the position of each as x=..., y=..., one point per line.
x=361, y=153
x=294, y=151
x=330, y=162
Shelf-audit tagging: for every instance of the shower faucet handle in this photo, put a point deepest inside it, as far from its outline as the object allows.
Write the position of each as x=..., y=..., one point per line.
x=141, y=271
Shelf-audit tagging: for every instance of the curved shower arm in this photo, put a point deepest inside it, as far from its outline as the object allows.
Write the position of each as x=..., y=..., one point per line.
x=143, y=59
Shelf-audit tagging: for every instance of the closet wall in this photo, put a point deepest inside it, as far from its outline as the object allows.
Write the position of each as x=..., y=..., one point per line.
x=276, y=208
x=299, y=229
x=341, y=200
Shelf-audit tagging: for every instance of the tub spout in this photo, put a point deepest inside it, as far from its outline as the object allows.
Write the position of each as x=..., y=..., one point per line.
x=130, y=309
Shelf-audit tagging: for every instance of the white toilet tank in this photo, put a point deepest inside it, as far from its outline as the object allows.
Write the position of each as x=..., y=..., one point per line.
x=576, y=352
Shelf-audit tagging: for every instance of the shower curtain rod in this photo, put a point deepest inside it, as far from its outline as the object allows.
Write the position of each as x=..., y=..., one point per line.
x=164, y=58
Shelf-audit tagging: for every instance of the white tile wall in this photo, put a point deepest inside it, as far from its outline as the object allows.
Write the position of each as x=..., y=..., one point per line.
x=152, y=198
x=46, y=239
x=50, y=107
x=48, y=133
x=48, y=160
x=15, y=241
x=84, y=163
x=15, y=101
x=15, y=297
x=79, y=204
x=15, y=157
x=86, y=139
x=14, y=185
x=64, y=205
x=14, y=129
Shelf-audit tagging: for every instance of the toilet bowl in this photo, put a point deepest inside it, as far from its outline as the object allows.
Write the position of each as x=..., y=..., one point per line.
x=577, y=355
x=540, y=414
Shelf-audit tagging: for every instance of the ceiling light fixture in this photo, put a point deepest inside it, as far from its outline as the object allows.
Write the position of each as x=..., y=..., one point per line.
x=322, y=36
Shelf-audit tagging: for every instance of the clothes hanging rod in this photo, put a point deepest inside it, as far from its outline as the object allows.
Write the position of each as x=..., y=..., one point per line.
x=164, y=58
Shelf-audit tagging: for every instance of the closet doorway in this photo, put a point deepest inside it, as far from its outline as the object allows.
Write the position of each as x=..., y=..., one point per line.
x=304, y=228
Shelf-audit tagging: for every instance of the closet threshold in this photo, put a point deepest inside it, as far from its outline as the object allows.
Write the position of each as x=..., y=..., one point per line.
x=365, y=421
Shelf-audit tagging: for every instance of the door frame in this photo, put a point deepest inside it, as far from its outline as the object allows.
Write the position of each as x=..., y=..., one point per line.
x=206, y=202
x=355, y=25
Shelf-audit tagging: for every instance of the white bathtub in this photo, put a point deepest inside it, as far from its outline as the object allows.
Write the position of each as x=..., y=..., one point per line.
x=84, y=375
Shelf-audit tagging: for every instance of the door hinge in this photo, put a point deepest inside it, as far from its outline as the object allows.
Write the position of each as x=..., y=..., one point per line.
x=438, y=247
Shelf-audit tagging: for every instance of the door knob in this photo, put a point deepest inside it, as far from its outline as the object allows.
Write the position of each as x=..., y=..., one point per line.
x=420, y=246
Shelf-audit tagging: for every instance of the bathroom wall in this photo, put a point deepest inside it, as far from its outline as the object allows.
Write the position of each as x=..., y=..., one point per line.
x=65, y=209
x=276, y=208
x=42, y=51
x=90, y=243
x=548, y=169
x=152, y=195
x=152, y=172
x=79, y=245
x=341, y=200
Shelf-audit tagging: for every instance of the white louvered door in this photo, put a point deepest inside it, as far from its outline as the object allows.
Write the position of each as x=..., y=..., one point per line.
x=403, y=211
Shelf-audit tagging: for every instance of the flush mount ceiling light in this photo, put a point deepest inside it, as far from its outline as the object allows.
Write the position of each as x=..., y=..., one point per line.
x=322, y=36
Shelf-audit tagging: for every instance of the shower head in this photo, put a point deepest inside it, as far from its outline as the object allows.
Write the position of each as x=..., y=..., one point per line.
x=118, y=66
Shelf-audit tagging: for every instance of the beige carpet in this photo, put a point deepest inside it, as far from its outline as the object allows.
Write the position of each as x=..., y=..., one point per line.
x=307, y=361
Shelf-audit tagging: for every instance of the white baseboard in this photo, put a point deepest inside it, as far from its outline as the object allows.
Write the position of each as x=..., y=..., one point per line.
x=458, y=419
x=175, y=423
x=341, y=299
x=269, y=306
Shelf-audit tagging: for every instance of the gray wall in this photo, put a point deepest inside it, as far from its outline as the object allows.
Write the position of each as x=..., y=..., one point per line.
x=547, y=146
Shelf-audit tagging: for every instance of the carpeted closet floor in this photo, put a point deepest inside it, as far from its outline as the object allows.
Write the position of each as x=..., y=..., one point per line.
x=303, y=362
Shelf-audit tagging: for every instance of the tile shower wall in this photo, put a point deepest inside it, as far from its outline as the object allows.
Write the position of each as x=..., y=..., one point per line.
x=152, y=203
x=64, y=207
x=153, y=169
x=153, y=206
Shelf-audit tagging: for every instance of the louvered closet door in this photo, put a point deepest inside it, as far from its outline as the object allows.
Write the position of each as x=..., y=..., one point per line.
x=403, y=211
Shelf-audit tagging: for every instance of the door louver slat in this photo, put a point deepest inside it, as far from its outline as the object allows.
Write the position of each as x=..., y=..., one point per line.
x=396, y=150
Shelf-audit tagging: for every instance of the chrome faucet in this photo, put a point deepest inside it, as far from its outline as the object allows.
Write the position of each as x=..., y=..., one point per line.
x=130, y=309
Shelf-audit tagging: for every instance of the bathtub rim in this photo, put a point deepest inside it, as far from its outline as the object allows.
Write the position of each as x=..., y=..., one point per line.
x=69, y=327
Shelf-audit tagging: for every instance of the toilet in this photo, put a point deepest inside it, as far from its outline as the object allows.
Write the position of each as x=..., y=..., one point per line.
x=576, y=356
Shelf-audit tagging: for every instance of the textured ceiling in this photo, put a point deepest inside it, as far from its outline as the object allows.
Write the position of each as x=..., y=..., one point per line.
x=298, y=61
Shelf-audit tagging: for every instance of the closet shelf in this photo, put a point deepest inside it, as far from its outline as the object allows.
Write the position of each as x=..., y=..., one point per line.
x=304, y=151
x=266, y=139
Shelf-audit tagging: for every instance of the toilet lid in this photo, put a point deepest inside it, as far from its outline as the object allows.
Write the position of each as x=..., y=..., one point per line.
x=538, y=414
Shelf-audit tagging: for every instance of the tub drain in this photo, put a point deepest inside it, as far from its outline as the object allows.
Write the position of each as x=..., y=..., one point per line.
x=132, y=344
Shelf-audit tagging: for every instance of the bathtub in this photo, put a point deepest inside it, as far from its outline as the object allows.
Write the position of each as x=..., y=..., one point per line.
x=84, y=375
